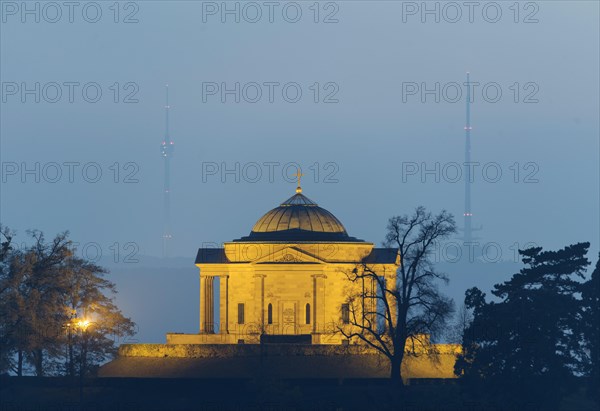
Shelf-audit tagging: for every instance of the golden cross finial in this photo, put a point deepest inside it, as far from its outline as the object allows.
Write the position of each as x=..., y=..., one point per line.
x=299, y=176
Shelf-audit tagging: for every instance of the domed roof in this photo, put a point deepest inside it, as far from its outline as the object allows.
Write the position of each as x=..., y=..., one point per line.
x=298, y=219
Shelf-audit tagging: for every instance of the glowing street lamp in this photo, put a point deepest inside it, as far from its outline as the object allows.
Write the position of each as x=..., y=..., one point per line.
x=83, y=324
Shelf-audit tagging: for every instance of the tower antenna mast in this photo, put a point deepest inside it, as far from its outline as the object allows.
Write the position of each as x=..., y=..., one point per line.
x=166, y=149
x=468, y=213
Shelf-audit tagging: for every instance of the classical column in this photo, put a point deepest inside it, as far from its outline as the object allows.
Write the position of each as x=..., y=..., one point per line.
x=210, y=305
x=224, y=304
x=201, y=305
x=314, y=305
x=318, y=306
x=207, y=310
x=391, y=279
x=375, y=292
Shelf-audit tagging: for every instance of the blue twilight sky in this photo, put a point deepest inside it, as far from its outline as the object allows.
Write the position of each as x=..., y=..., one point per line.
x=386, y=109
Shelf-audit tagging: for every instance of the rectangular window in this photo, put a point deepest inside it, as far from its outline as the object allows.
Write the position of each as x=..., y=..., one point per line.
x=241, y=313
x=346, y=313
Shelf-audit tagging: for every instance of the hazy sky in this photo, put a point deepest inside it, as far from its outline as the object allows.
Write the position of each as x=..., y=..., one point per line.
x=370, y=126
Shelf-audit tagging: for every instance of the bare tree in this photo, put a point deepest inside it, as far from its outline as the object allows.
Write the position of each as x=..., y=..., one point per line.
x=464, y=318
x=396, y=313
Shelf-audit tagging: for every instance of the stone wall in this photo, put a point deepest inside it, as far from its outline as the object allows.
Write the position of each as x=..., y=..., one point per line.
x=238, y=350
x=273, y=360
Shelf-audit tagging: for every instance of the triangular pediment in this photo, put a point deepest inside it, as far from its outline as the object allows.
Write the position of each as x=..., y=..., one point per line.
x=288, y=255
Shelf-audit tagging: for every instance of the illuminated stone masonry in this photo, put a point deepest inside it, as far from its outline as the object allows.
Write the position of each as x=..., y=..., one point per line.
x=286, y=281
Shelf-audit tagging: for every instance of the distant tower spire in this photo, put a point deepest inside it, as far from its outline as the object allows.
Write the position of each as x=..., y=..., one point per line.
x=468, y=213
x=166, y=149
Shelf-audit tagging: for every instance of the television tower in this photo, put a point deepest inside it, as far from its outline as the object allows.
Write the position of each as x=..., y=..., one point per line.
x=468, y=213
x=166, y=149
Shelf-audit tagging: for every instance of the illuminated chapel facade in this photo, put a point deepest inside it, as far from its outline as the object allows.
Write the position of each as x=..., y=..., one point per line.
x=287, y=281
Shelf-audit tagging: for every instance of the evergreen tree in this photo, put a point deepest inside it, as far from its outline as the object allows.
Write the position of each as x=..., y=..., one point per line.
x=591, y=324
x=524, y=348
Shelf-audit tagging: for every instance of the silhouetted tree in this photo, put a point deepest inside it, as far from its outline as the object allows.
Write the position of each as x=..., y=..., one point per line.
x=396, y=313
x=5, y=245
x=42, y=288
x=591, y=324
x=464, y=317
x=93, y=338
x=5, y=249
x=30, y=311
x=526, y=347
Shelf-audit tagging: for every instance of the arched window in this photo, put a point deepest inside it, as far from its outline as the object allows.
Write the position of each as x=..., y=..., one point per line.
x=270, y=314
x=307, y=313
